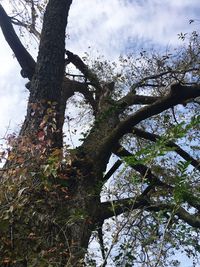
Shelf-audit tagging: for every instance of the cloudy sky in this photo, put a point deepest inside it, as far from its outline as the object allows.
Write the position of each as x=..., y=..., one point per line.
x=115, y=26
x=112, y=27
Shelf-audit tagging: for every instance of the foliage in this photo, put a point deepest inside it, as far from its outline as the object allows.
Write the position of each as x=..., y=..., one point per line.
x=138, y=115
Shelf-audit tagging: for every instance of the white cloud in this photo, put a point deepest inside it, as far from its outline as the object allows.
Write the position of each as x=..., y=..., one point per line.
x=12, y=90
x=110, y=26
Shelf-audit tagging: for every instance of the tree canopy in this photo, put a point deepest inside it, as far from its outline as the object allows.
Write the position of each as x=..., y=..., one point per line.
x=131, y=182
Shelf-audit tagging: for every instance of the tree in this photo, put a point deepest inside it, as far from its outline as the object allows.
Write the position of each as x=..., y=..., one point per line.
x=51, y=194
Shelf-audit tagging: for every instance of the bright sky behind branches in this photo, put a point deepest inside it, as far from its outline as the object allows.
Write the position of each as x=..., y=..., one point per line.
x=112, y=27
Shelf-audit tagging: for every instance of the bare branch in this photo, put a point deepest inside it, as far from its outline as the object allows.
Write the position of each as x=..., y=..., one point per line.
x=29, y=27
x=132, y=99
x=112, y=170
x=117, y=207
x=80, y=65
x=75, y=86
x=144, y=81
x=25, y=60
x=101, y=243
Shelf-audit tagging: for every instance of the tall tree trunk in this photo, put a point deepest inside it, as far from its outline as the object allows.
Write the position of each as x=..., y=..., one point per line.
x=46, y=85
x=64, y=207
x=52, y=201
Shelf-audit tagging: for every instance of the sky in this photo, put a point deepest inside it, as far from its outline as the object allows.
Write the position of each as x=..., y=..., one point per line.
x=117, y=25
x=112, y=27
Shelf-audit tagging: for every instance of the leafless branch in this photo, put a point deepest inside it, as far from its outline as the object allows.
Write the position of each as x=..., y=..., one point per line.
x=142, y=202
x=132, y=99
x=112, y=170
x=25, y=60
x=75, y=86
x=82, y=67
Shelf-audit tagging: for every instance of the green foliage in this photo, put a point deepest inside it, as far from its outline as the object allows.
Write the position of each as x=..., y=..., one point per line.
x=36, y=207
x=182, y=188
x=158, y=149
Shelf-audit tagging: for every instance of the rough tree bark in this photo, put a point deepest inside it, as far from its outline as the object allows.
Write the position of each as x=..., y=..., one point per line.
x=76, y=203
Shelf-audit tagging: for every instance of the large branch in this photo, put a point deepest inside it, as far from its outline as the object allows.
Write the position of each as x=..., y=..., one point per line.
x=112, y=170
x=25, y=60
x=117, y=207
x=83, y=68
x=72, y=86
x=132, y=99
x=153, y=137
x=178, y=95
